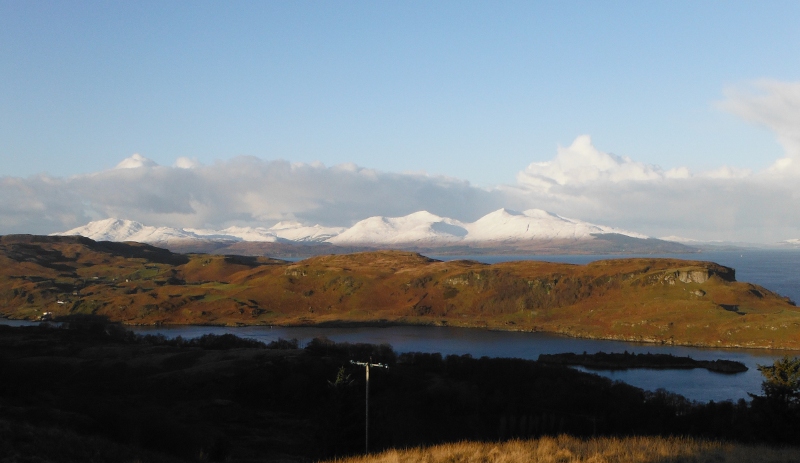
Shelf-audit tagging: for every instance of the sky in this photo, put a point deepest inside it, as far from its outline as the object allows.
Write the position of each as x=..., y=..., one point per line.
x=669, y=118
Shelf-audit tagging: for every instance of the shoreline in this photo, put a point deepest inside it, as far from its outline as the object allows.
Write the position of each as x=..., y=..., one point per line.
x=385, y=323
x=655, y=301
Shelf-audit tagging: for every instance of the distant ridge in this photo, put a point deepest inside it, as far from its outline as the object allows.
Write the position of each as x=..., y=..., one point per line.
x=501, y=231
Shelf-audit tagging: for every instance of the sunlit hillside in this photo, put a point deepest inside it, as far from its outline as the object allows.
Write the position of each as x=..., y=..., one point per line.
x=667, y=301
x=566, y=449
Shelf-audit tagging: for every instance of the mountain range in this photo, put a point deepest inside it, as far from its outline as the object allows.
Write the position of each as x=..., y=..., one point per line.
x=501, y=231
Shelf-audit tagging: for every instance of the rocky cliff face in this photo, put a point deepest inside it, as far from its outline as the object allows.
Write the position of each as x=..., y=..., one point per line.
x=703, y=275
x=700, y=275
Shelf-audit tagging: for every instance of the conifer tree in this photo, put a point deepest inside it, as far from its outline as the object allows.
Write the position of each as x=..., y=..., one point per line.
x=781, y=383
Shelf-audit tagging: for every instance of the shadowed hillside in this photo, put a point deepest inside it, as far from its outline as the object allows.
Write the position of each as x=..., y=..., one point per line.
x=89, y=390
x=653, y=300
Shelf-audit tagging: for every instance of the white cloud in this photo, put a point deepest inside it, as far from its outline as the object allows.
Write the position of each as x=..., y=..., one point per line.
x=727, y=172
x=776, y=106
x=186, y=163
x=726, y=203
x=581, y=163
x=134, y=162
x=581, y=181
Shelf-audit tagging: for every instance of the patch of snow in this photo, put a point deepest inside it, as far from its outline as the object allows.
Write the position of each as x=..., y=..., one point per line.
x=295, y=231
x=259, y=234
x=504, y=225
x=128, y=230
x=420, y=228
x=417, y=228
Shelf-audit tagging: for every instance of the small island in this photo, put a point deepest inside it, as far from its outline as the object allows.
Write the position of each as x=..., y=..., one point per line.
x=627, y=360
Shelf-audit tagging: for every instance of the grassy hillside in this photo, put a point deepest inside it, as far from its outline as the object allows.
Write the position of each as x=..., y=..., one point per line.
x=566, y=449
x=654, y=300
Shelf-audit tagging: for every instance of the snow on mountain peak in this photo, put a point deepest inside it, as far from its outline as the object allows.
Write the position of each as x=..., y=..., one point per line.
x=419, y=229
x=127, y=230
x=504, y=225
x=296, y=231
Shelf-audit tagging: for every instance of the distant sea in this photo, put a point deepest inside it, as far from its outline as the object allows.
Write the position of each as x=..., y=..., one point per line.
x=776, y=270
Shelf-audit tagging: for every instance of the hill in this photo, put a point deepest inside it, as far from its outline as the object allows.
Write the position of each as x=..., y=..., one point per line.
x=651, y=300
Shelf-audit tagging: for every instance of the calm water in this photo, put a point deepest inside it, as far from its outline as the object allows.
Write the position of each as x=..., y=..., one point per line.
x=697, y=384
x=778, y=271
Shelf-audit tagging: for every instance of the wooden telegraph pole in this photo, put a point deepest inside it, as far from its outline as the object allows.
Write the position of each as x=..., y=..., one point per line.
x=366, y=366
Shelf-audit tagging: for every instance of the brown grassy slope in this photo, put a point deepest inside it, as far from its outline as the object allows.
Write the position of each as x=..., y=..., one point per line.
x=654, y=300
x=565, y=449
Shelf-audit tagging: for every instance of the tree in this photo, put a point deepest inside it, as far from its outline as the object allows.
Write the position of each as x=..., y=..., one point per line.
x=781, y=383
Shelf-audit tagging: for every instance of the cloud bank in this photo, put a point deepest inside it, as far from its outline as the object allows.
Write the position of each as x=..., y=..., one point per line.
x=580, y=181
x=726, y=203
x=243, y=191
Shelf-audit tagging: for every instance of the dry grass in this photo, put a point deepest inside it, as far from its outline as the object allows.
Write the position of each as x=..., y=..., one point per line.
x=566, y=449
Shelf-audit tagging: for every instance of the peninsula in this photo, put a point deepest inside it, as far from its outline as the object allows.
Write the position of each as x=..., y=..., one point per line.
x=668, y=301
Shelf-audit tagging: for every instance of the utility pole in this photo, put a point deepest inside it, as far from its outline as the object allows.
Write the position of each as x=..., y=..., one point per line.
x=366, y=366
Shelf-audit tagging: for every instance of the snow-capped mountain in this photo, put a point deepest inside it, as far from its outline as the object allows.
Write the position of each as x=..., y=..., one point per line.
x=791, y=242
x=418, y=230
x=128, y=230
x=504, y=225
x=501, y=226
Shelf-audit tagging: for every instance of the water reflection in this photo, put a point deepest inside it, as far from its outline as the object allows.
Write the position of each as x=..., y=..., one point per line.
x=697, y=384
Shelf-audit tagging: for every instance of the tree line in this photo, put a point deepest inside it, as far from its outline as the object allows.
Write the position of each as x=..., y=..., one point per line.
x=227, y=398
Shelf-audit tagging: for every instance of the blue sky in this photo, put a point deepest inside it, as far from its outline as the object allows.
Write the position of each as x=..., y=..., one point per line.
x=474, y=91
